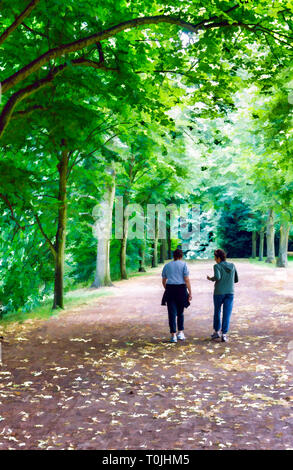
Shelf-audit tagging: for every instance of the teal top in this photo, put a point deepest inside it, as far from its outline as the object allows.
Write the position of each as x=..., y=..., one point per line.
x=225, y=275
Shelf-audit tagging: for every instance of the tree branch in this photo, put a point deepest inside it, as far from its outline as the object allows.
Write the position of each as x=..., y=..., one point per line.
x=257, y=27
x=177, y=72
x=50, y=244
x=37, y=33
x=91, y=63
x=27, y=112
x=12, y=216
x=82, y=156
x=214, y=18
x=79, y=44
x=18, y=96
x=19, y=19
x=115, y=135
x=101, y=53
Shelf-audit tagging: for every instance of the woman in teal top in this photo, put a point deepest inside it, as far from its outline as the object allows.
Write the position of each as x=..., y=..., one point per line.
x=225, y=276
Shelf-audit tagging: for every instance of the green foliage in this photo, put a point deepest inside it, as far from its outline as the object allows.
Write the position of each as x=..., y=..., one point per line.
x=173, y=110
x=230, y=234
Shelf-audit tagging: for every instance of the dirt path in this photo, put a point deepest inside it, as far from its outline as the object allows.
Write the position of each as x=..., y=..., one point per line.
x=103, y=376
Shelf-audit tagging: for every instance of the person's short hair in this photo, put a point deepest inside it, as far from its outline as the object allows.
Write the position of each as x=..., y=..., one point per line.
x=177, y=254
x=220, y=254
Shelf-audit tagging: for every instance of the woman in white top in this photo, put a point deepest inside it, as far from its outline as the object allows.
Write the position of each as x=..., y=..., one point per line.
x=175, y=279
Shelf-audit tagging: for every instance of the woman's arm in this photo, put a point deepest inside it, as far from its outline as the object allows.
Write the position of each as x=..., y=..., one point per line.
x=188, y=285
x=216, y=276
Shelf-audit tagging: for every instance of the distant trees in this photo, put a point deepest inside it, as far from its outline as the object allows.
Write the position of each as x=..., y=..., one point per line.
x=246, y=159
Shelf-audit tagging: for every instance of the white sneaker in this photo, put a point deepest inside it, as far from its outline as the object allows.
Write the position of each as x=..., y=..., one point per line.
x=224, y=338
x=181, y=336
x=173, y=339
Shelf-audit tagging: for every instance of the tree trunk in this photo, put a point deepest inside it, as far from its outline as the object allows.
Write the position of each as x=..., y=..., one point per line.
x=155, y=243
x=103, y=231
x=123, y=271
x=163, y=250
x=282, y=261
x=142, y=257
x=61, y=231
x=261, y=244
x=169, y=251
x=271, y=237
x=155, y=253
x=253, y=244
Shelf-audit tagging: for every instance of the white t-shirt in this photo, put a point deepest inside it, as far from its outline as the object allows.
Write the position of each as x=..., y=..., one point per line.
x=175, y=271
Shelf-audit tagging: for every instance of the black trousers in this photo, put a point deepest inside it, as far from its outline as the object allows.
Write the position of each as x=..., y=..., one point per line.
x=176, y=297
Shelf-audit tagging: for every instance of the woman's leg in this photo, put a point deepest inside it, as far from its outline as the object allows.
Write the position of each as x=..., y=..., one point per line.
x=180, y=317
x=218, y=300
x=180, y=301
x=172, y=313
x=227, y=311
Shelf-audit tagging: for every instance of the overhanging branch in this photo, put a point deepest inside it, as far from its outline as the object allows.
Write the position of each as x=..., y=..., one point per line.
x=17, y=97
x=23, y=93
x=65, y=49
x=18, y=20
x=80, y=44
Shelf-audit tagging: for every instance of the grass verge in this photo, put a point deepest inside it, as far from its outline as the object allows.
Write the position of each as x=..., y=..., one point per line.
x=72, y=298
x=44, y=311
x=270, y=265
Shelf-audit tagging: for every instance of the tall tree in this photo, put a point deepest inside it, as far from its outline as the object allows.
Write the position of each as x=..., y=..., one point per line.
x=103, y=214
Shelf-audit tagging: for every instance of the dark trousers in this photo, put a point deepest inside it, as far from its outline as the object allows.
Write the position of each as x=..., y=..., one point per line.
x=175, y=302
x=227, y=301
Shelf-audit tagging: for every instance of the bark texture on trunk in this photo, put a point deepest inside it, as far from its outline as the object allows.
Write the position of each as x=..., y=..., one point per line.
x=261, y=244
x=123, y=271
x=142, y=257
x=253, y=254
x=282, y=261
x=155, y=243
x=271, y=257
x=103, y=231
x=169, y=251
x=155, y=253
x=163, y=250
x=61, y=231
